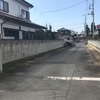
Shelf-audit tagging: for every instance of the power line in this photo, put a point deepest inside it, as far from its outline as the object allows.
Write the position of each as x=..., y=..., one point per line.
x=69, y=16
x=38, y=16
x=64, y=8
x=53, y=11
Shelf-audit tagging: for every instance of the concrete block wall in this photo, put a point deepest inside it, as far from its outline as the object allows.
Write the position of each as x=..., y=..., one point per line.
x=95, y=43
x=14, y=50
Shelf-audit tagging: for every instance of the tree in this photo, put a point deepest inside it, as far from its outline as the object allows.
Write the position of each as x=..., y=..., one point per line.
x=50, y=28
x=46, y=27
x=87, y=30
x=92, y=27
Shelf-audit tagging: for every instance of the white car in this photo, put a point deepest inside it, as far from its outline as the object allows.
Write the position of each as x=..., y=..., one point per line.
x=68, y=41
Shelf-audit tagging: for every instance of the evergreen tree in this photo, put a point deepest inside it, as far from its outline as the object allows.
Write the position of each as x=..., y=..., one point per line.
x=92, y=27
x=50, y=28
x=87, y=30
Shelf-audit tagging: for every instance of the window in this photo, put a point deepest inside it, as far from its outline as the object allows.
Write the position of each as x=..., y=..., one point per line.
x=26, y=14
x=23, y=12
x=4, y=6
x=1, y=4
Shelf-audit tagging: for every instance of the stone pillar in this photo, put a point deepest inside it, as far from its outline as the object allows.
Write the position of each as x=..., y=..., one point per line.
x=20, y=35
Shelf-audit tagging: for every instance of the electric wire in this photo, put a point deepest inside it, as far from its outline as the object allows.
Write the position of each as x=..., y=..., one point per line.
x=68, y=17
x=53, y=11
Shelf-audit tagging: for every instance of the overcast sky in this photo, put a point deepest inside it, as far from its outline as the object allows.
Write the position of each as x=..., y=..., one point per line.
x=64, y=13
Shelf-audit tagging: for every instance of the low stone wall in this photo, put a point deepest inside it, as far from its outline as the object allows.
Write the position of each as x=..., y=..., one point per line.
x=12, y=50
x=94, y=44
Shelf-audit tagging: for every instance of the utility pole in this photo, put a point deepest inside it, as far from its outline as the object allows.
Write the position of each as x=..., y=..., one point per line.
x=85, y=20
x=92, y=13
x=85, y=23
x=93, y=16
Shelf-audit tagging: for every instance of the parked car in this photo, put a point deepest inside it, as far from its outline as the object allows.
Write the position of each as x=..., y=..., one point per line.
x=68, y=41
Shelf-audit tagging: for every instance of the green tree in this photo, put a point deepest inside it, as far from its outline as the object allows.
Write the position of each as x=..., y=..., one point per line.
x=87, y=30
x=50, y=28
x=92, y=27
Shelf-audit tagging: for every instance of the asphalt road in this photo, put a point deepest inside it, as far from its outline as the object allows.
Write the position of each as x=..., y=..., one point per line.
x=66, y=74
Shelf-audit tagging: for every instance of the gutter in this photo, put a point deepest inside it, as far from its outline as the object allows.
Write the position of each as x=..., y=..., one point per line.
x=2, y=29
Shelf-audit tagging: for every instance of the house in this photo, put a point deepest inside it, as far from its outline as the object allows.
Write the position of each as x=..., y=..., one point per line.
x=66, y=35
x=62, y=32
x=15, y=20
x=97, y=29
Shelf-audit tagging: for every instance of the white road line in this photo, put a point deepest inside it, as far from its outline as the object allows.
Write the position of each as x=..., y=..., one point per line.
x=72, y=78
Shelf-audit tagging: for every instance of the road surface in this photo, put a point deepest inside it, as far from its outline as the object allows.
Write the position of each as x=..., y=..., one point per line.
x=66, y=74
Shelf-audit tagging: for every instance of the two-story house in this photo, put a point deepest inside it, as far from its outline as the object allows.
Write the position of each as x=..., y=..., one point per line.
x=15, y=20
x=63, y=32
x=66, y=35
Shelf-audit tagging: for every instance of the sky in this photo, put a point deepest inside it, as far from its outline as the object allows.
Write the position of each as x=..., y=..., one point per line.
x=69, y=14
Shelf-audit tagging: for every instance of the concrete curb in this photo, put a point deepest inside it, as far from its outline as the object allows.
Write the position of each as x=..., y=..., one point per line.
x=94, y=47
x=95, y=53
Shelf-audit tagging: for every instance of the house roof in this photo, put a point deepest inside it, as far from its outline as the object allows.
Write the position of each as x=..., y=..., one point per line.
x=20, y=21
x=62, y=29
x=25, y=2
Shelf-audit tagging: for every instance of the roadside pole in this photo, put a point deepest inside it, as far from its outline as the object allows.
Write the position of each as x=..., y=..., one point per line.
x=93, y=16
x=92, y=13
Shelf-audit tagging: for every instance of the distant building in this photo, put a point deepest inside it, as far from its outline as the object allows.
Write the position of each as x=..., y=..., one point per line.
x=98, y=27
x=63, y=32
x=15, y=20
x=66, y=35
x=97, y=31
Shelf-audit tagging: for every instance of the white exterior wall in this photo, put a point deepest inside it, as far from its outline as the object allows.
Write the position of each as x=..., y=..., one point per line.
x=20, y=35
x=15, y=10
x=15, y=7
